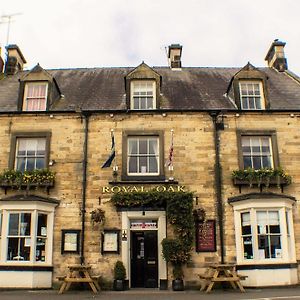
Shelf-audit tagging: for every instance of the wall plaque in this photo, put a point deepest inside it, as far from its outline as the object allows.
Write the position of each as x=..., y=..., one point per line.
x=206, y=236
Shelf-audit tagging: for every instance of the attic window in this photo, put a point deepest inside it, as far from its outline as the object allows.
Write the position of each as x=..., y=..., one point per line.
x=143, y=94
x=251, y=95
x=35, y=96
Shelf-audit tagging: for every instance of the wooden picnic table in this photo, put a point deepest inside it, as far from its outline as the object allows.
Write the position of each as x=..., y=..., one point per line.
x=221, y=273
x=76, y=274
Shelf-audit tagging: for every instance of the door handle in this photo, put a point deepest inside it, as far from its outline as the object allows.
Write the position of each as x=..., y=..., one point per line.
x=151, y=262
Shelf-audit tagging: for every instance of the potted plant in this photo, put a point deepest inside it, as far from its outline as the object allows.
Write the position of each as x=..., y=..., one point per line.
x=176, y=253
x=119, y=276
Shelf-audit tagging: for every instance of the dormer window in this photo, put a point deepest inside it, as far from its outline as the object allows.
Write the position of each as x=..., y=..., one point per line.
x=251, y=95
x=35, y=96
x=143, y=95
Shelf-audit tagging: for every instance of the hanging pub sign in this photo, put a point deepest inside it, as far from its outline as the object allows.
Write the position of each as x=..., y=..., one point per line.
x=206, y=236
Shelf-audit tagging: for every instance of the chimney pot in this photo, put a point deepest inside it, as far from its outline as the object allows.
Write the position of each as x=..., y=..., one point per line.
x=174, y=56
x=275, y=56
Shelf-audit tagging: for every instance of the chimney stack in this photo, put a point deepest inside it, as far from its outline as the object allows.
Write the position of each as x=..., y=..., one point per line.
x=15, y=60
x=174, y=56
x=275, y=56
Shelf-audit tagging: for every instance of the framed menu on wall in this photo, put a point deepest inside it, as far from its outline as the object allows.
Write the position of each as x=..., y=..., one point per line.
x=110, y=241
x=206, y=236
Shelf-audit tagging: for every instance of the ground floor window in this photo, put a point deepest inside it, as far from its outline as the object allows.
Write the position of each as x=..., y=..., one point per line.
x=26, y=233
x=264, y=231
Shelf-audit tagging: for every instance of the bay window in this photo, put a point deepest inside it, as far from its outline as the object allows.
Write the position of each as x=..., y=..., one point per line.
x=263, y=228
x=27, y=236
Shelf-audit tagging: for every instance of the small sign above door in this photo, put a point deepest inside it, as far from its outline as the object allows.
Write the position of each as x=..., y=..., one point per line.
x=143, y=224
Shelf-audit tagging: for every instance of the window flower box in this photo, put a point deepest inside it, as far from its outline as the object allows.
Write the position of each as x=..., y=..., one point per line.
x=261, y=177
x=39, y=178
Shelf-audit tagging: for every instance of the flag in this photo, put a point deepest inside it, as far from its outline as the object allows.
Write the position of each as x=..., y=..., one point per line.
x=112, y=153
x=169, y=162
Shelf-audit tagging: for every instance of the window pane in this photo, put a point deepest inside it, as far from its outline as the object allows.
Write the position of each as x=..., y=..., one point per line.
x=132, y=164
x=149, y=102
x=275, y=246
x=132, y=144
x=248, y=249
x=153, y=146
x=40, y=251
x=40, y=163
x=13, y=224
x=20, y=166
x=42, y=225
x=143, y=103
x=263, y=247
x=143, y=164
x=256, y=161
x=143, y=146
x=153, y=164
x=30, y=164
x=25, y=224
x=13, y=245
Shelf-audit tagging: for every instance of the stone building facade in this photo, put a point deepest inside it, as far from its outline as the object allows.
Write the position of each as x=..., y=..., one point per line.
x=218, y=120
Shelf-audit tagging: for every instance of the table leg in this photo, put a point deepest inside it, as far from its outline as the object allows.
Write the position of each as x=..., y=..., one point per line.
x=91, y=283
x=62, y=287
x=211, y=284
x=230, y=274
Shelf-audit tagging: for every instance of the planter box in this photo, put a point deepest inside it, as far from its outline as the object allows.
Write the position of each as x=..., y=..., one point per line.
x=264, y=183
x=24, y=186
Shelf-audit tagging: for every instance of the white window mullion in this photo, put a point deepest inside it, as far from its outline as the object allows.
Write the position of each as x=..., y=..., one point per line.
x=33, y=235
x=255, y=234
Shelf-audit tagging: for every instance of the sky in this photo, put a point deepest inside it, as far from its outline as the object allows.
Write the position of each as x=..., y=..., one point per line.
x=117, y=33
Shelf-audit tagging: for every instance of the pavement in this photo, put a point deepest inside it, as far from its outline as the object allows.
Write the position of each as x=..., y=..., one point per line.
x=154, y=294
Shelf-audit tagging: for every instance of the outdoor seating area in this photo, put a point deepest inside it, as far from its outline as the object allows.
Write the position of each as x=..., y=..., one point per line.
x=79, y=274
x=221, y=273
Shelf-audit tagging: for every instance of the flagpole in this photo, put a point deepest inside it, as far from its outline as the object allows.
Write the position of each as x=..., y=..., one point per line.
x=115, y=166
x=171, y=168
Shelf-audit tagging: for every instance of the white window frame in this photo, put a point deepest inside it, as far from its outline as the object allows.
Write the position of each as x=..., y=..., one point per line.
x=259, y=137
x=148, y=155
x=35, y=208
x=249, y=95
x=284, y=208
x=35, y=156
x=40, y=99
x=134, y=88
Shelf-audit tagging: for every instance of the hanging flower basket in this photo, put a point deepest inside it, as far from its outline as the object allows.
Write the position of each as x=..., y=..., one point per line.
x=98, y=216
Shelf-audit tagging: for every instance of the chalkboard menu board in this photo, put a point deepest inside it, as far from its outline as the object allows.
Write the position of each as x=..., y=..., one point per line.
x=206, y=236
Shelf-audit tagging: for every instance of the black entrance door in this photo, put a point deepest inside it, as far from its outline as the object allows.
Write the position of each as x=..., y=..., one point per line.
x=144, y=259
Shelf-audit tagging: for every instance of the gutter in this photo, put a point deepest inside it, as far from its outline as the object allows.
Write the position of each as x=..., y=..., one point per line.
x=84, y=183
x=218, y=181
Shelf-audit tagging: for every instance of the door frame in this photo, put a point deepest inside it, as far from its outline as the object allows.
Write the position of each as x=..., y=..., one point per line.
x=160, y=216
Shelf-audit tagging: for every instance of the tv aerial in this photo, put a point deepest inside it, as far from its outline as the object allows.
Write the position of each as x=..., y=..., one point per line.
x=8, y=19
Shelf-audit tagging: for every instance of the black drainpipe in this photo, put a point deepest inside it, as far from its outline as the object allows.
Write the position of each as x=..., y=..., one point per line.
x=84, y=171
x=218, y=179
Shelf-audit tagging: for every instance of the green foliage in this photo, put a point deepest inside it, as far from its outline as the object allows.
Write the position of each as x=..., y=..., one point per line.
x=119, y=271
x=37, y=176
x=177, y=271
x=263, y=175
x=179, y=210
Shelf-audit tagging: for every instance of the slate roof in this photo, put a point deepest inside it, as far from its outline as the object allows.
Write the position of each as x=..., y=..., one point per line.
x=189, y=89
